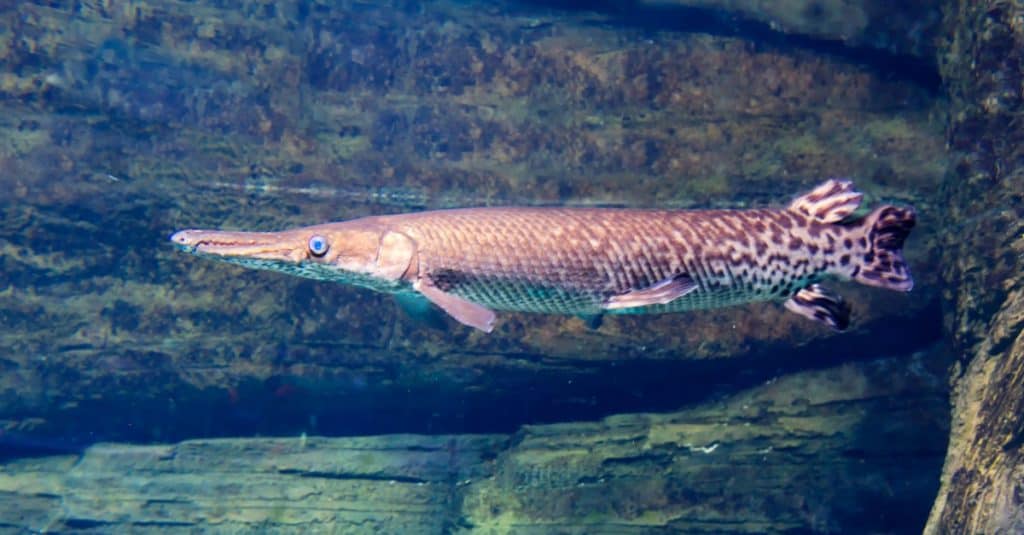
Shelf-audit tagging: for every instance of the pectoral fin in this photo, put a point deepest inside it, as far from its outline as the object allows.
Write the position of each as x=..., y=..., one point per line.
x=661, y=293
x=820, y=304
x=466, y=312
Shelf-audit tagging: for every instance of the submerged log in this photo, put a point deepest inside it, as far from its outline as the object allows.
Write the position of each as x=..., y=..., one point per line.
x=849, y=448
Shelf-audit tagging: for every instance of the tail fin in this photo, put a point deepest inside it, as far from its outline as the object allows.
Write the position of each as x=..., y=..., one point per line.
x=885, y=230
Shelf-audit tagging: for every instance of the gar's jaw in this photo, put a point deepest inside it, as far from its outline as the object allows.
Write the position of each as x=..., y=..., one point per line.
x=272, y=251
x=351, y=256
x=237, y=246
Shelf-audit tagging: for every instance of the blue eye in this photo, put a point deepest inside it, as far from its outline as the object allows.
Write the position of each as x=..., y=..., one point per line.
x=318, y=245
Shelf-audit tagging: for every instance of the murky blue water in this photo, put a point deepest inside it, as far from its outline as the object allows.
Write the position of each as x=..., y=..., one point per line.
x=124, y=122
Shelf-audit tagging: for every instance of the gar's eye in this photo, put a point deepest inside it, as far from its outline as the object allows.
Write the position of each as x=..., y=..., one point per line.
x=318, y=246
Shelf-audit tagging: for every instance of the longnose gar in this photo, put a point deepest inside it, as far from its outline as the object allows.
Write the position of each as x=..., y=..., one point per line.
x=590, y=261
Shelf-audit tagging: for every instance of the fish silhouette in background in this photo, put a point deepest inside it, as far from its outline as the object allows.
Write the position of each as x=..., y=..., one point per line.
x=592, y=261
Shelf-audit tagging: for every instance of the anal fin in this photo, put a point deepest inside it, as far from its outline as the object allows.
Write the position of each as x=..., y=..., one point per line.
x=465, y=312
x=821, y=304
x=660, y=293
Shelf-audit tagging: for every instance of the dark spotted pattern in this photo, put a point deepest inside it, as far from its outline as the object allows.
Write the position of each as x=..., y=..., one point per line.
x=883, y=263
x=573, y=260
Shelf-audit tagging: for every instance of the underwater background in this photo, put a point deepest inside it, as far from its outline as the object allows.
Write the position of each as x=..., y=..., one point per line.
x=143, y=390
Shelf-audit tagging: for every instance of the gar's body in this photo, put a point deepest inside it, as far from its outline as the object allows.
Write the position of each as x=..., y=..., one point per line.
x=592, y=261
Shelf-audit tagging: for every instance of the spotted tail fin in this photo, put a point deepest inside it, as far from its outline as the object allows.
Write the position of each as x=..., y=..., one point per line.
x=830, y=202
x=883, y=265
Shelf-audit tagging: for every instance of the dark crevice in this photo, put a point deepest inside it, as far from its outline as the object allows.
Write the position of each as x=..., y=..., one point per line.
x=162, y=524
x=919, y=71
x=359, y=477
x=84, y=523
x=911, y=455
x=17, y=445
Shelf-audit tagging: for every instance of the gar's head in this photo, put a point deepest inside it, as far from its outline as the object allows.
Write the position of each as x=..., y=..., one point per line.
x=350, y=252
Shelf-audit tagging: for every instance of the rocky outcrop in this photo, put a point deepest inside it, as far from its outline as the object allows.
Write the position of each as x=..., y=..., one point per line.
x=905, y=28
x=983, y=479
x=807, y=452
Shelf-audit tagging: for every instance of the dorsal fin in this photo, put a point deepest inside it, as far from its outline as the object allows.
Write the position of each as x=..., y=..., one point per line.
x=831, y=202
